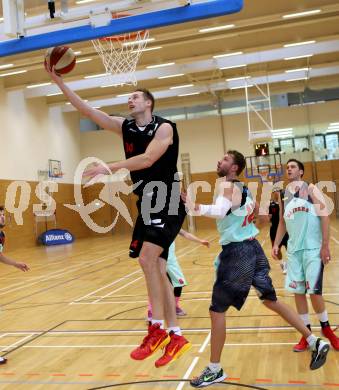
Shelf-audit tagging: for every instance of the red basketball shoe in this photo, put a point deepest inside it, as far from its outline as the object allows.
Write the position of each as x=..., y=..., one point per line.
x=177, y=347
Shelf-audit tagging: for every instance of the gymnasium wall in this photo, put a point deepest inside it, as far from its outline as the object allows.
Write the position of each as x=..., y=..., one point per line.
x=32, y=133
x=202, y=138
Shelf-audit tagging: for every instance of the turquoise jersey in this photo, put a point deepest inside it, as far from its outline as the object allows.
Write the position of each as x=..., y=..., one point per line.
x=237, y=225
x=302, y=223
x=171, y=251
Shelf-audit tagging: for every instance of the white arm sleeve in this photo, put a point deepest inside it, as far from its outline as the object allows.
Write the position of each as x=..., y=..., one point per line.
x=217, y=210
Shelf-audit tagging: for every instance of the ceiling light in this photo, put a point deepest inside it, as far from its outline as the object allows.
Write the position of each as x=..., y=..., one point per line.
x=147, y=49
x=236, y=53
x=38, y=85
x=160, y=65
x=6, y=66
x=299, y=43
x=304, y=13
x=97, y=107
x=297, y=70
x=123, y=94
x=12, y=73
x=286, y=129
x=77, y=52
x=189, y=94
x=333, y=130
x=84, y=1
x=171, y=75
x=296, y=57
x=1, y=19
x=182, y=86
x=217, y=28
x=298, y=79
x=243, y=86
x=238, y=78
x=84, y=60
x=109, y=85
x=54, y=94
x=334, y=124
x=233, y=67
x=137, y=42
x=92, y=76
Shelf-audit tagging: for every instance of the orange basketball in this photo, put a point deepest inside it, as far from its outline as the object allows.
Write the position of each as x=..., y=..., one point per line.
x=61, y=57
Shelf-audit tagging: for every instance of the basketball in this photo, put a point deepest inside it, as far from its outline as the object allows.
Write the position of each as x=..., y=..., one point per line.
x=61, y=57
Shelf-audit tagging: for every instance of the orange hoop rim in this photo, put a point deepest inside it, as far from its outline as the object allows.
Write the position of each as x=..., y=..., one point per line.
x=122, y=37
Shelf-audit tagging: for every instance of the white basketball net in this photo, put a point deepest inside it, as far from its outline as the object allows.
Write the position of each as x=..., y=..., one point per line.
x=120, y=54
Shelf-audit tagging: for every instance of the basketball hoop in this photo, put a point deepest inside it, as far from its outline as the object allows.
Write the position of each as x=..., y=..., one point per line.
x=264, y=171
x=120, y=53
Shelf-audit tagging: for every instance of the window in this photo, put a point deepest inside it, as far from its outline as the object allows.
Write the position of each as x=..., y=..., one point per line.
x=331, y=145
x=286, y=145
x=300, y=144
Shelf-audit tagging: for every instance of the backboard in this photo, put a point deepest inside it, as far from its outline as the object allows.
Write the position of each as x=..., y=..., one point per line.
x=265, y=168
x=94, y=21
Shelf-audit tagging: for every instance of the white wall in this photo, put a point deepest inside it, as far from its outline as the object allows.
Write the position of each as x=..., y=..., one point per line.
x=202, y=138
x=32, y=133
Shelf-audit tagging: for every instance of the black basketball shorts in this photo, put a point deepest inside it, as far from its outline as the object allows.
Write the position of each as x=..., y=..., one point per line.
x=161, y=230
x=242, y=265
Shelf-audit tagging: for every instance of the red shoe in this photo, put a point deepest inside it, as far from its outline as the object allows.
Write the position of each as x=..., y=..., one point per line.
x=334, y=340
x=156, y=338
x=301, y=346
x=177, y=347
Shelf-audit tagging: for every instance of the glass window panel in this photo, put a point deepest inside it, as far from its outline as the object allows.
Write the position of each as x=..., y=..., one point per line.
x=331, y=145
x=300, y=144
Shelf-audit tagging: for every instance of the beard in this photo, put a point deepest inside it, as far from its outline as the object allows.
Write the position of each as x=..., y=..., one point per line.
x=221, y=173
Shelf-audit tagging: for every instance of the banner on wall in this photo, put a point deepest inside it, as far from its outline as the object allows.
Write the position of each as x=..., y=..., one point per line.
x=56, y=237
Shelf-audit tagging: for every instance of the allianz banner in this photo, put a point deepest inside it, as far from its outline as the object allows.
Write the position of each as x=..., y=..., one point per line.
x=56, y=237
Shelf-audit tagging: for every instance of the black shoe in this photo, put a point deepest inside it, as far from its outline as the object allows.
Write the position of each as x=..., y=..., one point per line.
x=207, y=377
x=3, y=360
x=319, y=354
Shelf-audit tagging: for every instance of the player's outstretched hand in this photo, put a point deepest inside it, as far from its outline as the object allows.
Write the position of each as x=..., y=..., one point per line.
x=54, y=76
x=205, y=242
x=325, y=254
x=275, y=252
x=24, y=267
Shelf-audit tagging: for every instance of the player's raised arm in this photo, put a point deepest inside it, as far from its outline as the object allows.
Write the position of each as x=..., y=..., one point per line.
x=112, y=123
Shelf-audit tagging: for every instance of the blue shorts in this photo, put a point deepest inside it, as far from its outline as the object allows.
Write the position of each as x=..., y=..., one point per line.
x=304, y=272
x=242, y=265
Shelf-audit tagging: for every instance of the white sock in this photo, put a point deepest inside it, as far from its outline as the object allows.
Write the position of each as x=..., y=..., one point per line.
x=214, y=367
x=305, y=318
x=161, y=322
x=311, y=340
x=323, y=317
x=175, y=329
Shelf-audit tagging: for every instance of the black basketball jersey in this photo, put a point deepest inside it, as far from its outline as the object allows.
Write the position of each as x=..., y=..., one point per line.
x=136, y=142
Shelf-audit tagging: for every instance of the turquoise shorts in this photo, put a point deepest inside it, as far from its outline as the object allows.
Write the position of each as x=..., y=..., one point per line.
x=304, y=272
x=174, y=270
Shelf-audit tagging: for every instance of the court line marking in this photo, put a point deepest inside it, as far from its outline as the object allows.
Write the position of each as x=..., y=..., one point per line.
x=21, y=340
x=97, y=301
x=57, y=274
x=74, y=266
x=335, y=240
x=118, y=289
x=104, y=287
x=195, y=361
x=206, y=343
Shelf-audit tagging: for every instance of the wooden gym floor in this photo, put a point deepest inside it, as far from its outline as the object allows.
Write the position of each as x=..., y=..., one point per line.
x=71, y=322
